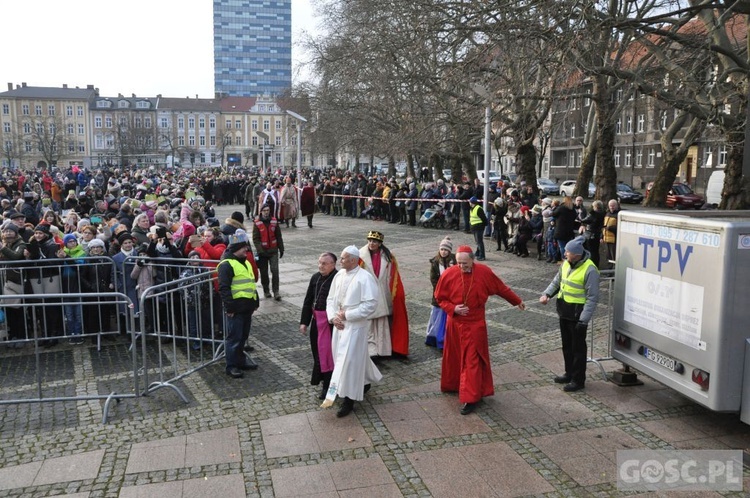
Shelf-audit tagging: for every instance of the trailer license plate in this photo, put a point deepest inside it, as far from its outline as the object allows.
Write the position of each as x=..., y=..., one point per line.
x=660, y=359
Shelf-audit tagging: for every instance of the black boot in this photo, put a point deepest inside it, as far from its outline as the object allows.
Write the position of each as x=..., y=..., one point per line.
x=346, y=408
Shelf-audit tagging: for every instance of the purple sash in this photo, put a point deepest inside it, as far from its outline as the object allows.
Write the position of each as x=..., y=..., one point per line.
x=325, y=354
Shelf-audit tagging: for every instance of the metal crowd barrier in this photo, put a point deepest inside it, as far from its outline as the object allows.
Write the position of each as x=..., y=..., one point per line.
x=181, y=315
x=170, y=305
x=606, y=285
x=37, y=311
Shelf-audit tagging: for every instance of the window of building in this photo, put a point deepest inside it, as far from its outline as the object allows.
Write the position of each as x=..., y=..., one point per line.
x=27, y=146
x=587, y=98
x=143, y=104
x=722, y=156
x=191, y=140
x=79, y=110
x=6, y=109
x=254, y=124
x=277, y=158
x=52, y=128
x=8, y=147
x=617, y=158
x=266, y=125
x=138, y=122
x=629, y=124
x=39, y=129
x=213, y=157
x=641, y=123
x=69, y=110
x=202, y=140
x=80, y=129
x=212, y=140
x=24, y=109
x=203, y=158
x=71, y=129
x=110, y=141
x=238, y=140
x=262, y=107
x=278, y=124
x=254, y=140
x=628, y=159
x=6, y=127
x=212, y=123
x=278, y=140
x=238, y=124
x=663, y=120
x=181, y=123
x=108, y=121
x=651, y=157
x=294, y=140
x=71, y=147
x=181, y=141
x=618, y=95
x=123, y=104
x=27, y=128
x=164, y=123
x=228, y=124
x=618, y=126
x=573, y=130
x=639, y=158
x=99, y=141
x=147, y=122
x=302, y=158
x=191, y=123
x=202, y=123
x=51, y=110
x=38, y=110
x=81, y=146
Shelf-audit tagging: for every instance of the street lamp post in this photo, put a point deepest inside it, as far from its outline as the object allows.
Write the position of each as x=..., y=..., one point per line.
x=485, y=93
x=299, y=144
x=264, y=138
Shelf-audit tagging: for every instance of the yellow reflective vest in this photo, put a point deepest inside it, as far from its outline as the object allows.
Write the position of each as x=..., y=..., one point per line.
x=243, y=282
x=474, y=218
x=572, y=288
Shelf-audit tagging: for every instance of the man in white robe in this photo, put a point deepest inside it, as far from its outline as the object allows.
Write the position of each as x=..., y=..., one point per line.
x=352, y=299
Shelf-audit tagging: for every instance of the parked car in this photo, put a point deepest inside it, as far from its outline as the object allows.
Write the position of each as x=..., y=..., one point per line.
x=447, y=174
x=508, y=180
x=494, y=177
x=627, y=195
x=715, y=188
x=568, y=186
x=680, y=196
x=547, y=186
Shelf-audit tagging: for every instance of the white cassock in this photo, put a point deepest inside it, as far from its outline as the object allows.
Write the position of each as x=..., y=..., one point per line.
x=356, y=292
x=379, y=337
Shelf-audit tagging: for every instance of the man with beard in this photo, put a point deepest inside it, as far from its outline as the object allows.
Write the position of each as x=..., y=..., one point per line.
x=288, y=199
x=269, y=246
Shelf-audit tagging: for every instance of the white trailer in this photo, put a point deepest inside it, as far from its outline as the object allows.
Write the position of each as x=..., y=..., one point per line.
x=682, y=303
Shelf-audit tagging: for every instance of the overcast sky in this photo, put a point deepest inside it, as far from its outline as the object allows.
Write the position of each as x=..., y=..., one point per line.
x=146, y=47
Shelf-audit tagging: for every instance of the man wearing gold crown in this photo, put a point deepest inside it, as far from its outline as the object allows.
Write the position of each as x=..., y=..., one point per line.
x=389, y=325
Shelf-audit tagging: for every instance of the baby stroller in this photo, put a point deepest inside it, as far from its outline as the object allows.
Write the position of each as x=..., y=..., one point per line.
x=436, y=216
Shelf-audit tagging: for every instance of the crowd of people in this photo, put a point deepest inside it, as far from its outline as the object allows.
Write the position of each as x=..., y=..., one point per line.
x=129, y=213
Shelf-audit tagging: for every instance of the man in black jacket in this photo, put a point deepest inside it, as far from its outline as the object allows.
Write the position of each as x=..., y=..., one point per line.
x=236, y=277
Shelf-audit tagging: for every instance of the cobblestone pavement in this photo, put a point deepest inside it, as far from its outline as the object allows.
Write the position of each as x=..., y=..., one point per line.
x=265, y=435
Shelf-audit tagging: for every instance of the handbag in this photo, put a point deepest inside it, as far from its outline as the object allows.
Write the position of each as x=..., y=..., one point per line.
x=12, y=289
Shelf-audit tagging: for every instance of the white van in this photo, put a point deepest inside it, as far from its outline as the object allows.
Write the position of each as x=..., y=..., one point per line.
x=715, y=187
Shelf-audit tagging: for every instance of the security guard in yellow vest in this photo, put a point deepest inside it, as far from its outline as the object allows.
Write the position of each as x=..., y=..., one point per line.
x=477, y=222
x=577, y=288
x=236, y=278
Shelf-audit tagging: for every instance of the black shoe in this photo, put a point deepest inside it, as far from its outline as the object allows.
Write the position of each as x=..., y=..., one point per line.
x=248, y=348
x=562, y=379
x=235, y=373
x=573, y=387
x=323, y=391
x=346, y=408
x=277, y=297
x=367, y=387
x=249, y=364
x=267, y=295
x=468, y=408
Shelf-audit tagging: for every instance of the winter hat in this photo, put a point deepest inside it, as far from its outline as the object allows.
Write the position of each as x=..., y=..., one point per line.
x=96, y=243
x=15, y=214
x=11, y=227
x=575, y=246
x=83, y=223
x=237, y=216
x=68, y=238
x=473, y=200
x=194, y=253
x=42, y=228
x=446, y=243
x=124, y=236
x=237, y=240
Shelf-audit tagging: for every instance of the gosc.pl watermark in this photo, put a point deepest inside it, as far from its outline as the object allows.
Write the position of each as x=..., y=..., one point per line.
x=684, y=470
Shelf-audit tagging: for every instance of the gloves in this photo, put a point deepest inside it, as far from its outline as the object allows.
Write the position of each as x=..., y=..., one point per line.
x=581, y=328
x=139, y=262
x=281, y=254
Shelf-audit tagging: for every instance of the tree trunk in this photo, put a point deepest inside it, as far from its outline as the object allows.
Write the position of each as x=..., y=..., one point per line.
x=736, y=192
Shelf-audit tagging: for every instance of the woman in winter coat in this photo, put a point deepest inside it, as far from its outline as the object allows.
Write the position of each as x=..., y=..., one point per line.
x=443, y=260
